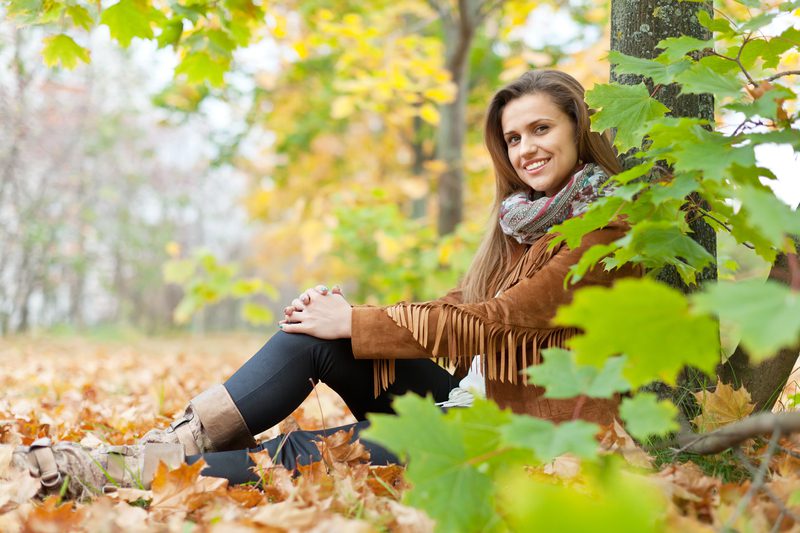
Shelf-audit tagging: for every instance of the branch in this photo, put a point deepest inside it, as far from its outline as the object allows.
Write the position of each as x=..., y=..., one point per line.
x=758, y=481
x=752, y=470
x=442, y=10
x=781, y=74
x=737, y=432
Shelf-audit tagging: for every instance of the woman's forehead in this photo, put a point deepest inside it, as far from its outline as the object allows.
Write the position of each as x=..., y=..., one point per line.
x=527, y=109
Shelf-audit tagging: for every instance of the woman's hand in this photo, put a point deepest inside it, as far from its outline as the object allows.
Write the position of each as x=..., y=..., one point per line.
x=299, y=303
x=319, y=312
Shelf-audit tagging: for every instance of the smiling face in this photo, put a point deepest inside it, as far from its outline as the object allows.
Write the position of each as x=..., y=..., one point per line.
x=540, y=139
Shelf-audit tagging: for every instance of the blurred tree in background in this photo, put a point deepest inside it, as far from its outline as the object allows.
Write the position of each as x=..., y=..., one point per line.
x=350, y=132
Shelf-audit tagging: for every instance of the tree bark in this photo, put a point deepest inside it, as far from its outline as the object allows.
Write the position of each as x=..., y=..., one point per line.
x=636, y=28
x=459, y=29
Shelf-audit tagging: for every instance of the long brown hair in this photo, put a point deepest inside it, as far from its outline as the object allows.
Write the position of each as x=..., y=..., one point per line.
x=493, y=260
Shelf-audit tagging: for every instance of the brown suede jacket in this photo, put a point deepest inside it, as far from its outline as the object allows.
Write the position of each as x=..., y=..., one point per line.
x=507, y=331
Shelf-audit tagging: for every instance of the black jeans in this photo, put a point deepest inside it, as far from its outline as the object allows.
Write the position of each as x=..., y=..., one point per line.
x=274, y=382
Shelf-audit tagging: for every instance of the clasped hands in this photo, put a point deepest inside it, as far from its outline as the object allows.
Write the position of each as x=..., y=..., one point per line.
x=319, y=312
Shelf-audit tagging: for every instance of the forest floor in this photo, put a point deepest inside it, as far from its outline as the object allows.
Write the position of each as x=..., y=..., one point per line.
x=91, y=391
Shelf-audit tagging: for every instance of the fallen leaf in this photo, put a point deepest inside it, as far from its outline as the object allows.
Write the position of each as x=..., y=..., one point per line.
x=16, y=484
x=338, y=448
x=614, y=439
x=175, y=488
x=721, y=407
x=690, y=489
x=50, y=516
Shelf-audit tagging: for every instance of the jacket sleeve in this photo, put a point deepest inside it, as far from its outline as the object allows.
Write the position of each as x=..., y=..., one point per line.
x=521, y=315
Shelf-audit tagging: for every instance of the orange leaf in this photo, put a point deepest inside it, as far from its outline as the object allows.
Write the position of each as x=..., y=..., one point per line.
x=338, y=448
x=176, y=488
x=722, y=407
x=50, y=516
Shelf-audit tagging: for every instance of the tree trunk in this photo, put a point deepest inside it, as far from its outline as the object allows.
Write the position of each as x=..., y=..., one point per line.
x=766, y=380
x=636, y=28
x=459, y=30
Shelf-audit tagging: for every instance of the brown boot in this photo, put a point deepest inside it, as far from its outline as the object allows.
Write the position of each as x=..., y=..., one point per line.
x=82, y=472
x=211, y=423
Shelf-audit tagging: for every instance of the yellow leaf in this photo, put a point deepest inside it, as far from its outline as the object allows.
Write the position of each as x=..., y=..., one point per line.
x=300, y=49
x=388, y=248
x=429, y=114
x=342, y=107
x=435, y=166
x=173, y=249
x=722, y=407
x=441, y=94
x=445, y=251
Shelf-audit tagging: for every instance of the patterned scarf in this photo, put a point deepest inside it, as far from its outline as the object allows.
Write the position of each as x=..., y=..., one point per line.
x=526, y=219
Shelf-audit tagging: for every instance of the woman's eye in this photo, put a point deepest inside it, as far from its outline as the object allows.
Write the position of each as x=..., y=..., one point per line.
x=541, y=129
x=514, y=139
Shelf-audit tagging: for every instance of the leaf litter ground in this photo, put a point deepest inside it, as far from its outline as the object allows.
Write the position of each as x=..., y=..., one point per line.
x=92, y=391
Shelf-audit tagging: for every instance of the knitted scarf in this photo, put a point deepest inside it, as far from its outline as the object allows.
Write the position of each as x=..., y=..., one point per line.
x=526, y=219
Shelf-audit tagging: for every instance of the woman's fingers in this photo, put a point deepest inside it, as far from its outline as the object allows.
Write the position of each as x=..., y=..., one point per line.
x=296, y=327
x=298, y=304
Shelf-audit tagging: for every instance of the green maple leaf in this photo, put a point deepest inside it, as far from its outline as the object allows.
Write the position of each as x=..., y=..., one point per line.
x=708, y=152
x=657, y=244
x=675, y=48
x=171, y=33
x=681, y=185
x=633, y=173
x=720, y=25
x=625, y=107
x=547, y=440
x=440, y=450
x=766, y=212
x=610, y=500
x=766, y=314
x=645, y=416
x=768, y=50
x=590, y=258
x=130, y=18
x=80, y=16
x=660, y=71
x=645, y=320
x=701, y=78
x=599, y=214
x=563, y=378
x=199, y=67
x=61, y=49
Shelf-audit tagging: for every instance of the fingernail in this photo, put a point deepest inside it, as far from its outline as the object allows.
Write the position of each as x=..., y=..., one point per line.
x=280, y=326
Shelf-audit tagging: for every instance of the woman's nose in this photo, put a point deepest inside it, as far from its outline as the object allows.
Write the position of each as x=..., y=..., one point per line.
x=529, y=147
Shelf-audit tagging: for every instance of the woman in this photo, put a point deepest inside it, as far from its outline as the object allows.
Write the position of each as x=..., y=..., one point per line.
x=548, y=167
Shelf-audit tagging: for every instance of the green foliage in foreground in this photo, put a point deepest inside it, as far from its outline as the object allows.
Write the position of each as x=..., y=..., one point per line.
x=465, y=468
x=466, y=465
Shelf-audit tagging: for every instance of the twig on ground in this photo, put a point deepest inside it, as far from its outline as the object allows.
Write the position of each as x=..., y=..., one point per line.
x=758, y=480
x=737, y=432
x=766, y=490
